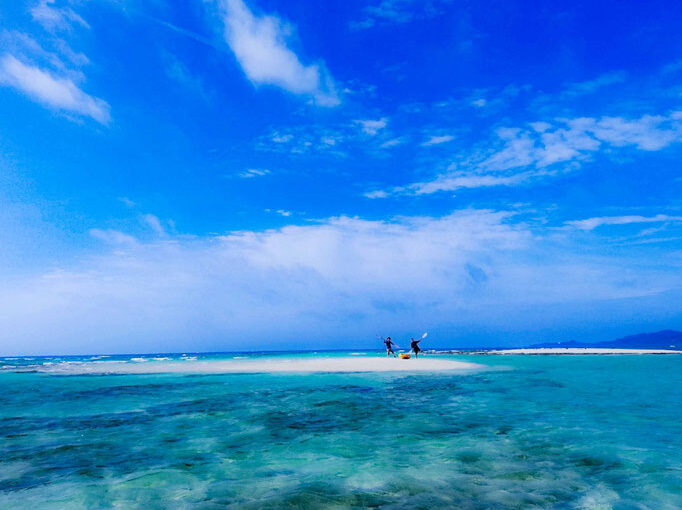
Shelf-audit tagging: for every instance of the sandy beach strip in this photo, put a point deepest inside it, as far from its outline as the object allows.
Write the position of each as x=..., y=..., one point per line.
x=280, y=365
x=578, y=351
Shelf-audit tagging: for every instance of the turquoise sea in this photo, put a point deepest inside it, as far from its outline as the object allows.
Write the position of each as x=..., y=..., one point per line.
x=592, y=432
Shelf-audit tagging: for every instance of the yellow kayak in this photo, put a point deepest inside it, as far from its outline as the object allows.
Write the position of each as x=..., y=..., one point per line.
x=404, y=356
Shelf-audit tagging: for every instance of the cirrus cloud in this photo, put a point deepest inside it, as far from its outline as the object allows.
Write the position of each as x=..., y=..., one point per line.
x=437, y=140
x=59, y=93
x=592, y=223
x=521, y=154
x=260, y=45
x=52, y=17
x=372, y=126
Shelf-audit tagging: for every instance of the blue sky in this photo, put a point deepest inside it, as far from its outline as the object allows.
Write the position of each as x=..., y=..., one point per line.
x=229, y=174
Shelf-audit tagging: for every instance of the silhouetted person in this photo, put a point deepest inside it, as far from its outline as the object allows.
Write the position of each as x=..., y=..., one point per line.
x=415, y=346
x=389, y=347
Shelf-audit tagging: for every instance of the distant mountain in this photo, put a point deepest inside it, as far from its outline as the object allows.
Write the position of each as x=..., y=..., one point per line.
x=666, y=339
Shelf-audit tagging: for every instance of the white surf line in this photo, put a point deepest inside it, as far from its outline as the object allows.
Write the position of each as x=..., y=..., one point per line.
x=579, y=350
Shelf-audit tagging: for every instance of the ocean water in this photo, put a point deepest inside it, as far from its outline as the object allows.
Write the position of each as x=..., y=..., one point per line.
x=589, y=432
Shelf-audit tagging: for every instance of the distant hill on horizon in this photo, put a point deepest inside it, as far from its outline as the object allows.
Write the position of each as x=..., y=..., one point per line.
x=666, y=339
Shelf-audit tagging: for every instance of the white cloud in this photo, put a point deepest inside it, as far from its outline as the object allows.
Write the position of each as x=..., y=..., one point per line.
x=372, y=127
x=471, y=267
x=650, y=132
x=127, y=202
x=379, y=193
x=278, y=138
x=573, y=139
x=254, y=172
x=54, y=92
x=396, y=12
x=111, y=236
x=76, y=58
x=154, y=223
x=331, y=139
x=61, y=58
x=56, y=18
x=520, y=155
x=590, y=86
x=281, y=212
x=52, y=74
x=437, y=140
x=179, y=72
x=308, y=139
x=592, y=223
x=453, y=182
x=260, y=46
x=392, y=143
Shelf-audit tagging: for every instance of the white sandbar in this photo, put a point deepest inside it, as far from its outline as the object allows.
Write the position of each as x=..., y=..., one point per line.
x=279, y=365
x=586, y=350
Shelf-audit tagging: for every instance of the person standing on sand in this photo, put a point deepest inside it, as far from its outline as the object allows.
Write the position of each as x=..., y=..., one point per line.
x=389, y=347
x=415, y=346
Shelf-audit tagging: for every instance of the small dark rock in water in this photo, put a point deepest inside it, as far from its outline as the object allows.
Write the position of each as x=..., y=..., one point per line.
x=502, y=430
x=469, y=457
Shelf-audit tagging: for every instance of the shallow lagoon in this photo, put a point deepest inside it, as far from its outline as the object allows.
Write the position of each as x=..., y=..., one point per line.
x=531, y=432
